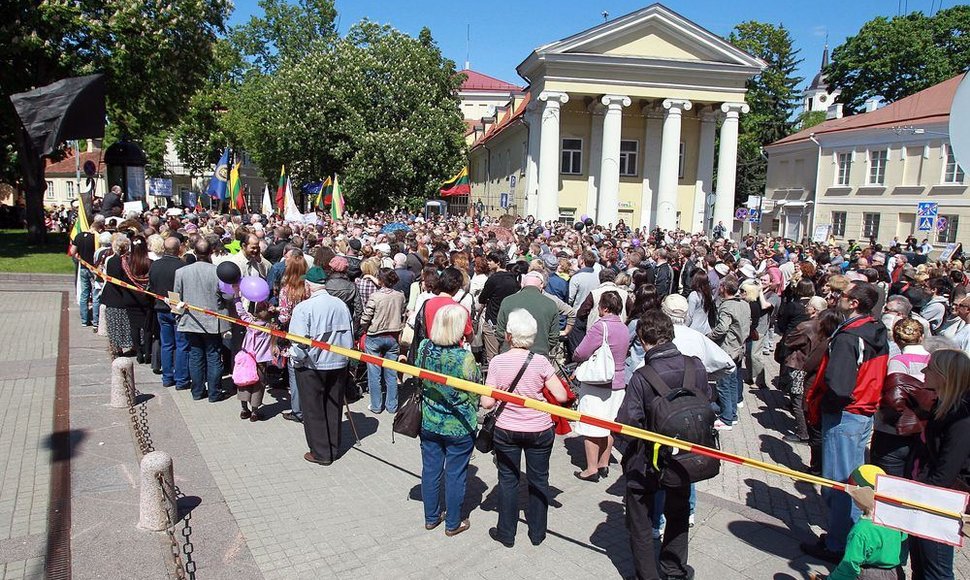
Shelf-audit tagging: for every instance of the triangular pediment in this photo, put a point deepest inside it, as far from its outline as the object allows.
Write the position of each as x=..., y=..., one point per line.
x=654, y=32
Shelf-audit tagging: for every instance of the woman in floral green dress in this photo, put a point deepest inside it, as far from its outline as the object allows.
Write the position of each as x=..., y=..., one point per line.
x=449, y=420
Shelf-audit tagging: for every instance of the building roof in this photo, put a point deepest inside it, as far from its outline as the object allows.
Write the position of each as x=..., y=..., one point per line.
x=930, y=105
x=68, y=165
x=506, y=121
x=477, y=81
x=819, y=82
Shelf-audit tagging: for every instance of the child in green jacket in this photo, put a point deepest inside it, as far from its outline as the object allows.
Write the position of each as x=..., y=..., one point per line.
x=872, y=552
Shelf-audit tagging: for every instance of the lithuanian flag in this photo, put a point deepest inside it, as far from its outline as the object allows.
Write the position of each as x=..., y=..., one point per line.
x=457, y=185
x=325, y=195
x=81, y=224
x=337, y=207
x=281, y=192
x=236, y=199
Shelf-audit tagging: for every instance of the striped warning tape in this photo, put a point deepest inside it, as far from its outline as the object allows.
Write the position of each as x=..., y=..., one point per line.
x=543, y=406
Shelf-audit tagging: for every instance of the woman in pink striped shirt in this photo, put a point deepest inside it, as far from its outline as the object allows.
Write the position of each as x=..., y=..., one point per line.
x=519, y=429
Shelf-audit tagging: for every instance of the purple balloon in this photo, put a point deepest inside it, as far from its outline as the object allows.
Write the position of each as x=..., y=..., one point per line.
x=226, y=288
x=254, y=288
x=546, y=234
x=583, y=218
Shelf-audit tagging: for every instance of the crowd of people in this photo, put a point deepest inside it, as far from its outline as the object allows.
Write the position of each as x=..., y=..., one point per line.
x=872, y=343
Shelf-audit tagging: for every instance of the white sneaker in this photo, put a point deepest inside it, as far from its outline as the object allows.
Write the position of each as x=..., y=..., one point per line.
x=722, y=426
x=741, y=405
x=690, y=521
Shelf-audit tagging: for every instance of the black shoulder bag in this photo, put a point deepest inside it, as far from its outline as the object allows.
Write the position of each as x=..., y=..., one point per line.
x=485, y=439
x=407, y=420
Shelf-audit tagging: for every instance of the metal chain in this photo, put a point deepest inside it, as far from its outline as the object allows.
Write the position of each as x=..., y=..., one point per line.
x=184, y=567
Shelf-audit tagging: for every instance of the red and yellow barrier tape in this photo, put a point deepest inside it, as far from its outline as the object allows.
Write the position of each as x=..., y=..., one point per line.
x=543, y=406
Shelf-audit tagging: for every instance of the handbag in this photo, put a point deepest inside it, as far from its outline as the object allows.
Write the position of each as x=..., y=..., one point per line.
x=600, y=367
x=407, y=420
x=485, y=440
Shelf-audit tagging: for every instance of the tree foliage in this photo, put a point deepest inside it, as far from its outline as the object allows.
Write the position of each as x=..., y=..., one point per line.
x=772, y=95
x=377, y=107
x=809, y=119
x=894, y=58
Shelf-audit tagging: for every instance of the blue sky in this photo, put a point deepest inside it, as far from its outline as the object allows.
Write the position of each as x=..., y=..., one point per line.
x=503, y=34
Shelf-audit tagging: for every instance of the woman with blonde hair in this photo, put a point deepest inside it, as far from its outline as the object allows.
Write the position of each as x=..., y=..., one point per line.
x=449, y=419
x=944, y=460
x=367, y=284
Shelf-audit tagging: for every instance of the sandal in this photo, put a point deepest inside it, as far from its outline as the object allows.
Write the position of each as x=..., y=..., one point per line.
x=465, y=524
x=430, y=527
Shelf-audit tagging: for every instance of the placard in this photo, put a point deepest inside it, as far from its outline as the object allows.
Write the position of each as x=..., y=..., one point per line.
x=821, y=234
x=160, y=187
x=917, y=522
x=948, y=252
x=135, y=182
x=133, y=206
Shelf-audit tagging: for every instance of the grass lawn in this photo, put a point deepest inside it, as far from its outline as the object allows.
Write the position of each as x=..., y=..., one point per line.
x=17, y=256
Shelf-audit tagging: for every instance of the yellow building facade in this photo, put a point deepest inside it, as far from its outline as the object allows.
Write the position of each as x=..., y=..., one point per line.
x=619, y=123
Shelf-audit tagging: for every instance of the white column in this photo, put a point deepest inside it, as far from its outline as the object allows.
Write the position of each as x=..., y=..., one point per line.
x=609, y=191
x=547, y=205
x=594, y=182
x=705, y=170
x=532, y=162
x=727, y=164
x=669, y=162
x=653, y=125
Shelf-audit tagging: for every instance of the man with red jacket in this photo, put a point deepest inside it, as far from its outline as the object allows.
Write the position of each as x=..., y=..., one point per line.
x=843, y=400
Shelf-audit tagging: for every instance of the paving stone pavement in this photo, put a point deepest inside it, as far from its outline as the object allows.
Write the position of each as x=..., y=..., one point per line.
x=260, y=511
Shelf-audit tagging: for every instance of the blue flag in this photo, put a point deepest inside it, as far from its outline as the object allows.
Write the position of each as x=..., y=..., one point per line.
x=219, y=183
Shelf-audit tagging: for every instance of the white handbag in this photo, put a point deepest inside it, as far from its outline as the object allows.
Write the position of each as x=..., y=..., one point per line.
x=600, y=367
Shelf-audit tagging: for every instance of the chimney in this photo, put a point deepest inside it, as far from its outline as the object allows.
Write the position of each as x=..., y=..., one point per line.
x=834, y=111
x=872, y=104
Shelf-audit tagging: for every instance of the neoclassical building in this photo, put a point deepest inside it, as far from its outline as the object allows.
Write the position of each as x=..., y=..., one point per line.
x=619, y=122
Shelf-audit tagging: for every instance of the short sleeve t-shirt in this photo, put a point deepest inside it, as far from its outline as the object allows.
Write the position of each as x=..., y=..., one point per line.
x=501, y=372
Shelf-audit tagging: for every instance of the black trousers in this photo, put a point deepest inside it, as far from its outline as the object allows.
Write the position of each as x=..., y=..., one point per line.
x=321, y=399
x=640, y=518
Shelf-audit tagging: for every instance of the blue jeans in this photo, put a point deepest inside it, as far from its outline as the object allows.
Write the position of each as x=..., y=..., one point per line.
x=205, y=364
x=294, y=392
x=87, y=291
x=385, y=346
x=509, y=446
x=931, y=560
x=844, y=440
x=175, y=352
x=450, y=455
x=728, y=395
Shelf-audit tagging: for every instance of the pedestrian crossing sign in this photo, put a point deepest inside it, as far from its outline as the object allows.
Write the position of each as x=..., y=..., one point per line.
x=925, y=224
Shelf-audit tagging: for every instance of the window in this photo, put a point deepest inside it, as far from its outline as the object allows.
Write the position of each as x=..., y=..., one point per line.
x=525, y=157
x=567, y=215
x=845, y=164
x=572, y=156
x=952, y=172
x=680, y=161
x=838, y=224
x=70, y=190
x=877, y=167
x=870, y=225
x=49, y=193
x=628, y=158
x=949, y=232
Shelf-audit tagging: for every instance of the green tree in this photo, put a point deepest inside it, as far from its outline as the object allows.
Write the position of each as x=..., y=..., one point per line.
x=809, y=119
x=153, y=55
x=772, y=95
x=377, y=107
x=894, y=58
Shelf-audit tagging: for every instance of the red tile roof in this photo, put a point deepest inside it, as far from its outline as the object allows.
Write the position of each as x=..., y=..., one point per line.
x=477, y=81
x=507, y=119
x=930, y=105
x=68, y=166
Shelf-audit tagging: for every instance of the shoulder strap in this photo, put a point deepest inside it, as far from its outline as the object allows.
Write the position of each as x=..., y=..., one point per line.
x=655, y=381
x=515, y=381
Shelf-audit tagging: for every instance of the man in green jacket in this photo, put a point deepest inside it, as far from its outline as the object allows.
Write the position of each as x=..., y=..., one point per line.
x=541, y=307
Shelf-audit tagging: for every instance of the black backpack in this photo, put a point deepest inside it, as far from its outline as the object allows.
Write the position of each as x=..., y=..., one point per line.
x=684, y=414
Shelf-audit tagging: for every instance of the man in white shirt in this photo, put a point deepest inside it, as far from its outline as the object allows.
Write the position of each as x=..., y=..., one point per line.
x=962, y=337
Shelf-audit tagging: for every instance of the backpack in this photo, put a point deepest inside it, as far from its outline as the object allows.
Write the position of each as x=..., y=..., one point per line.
x=244, y=371
x=683, y=414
